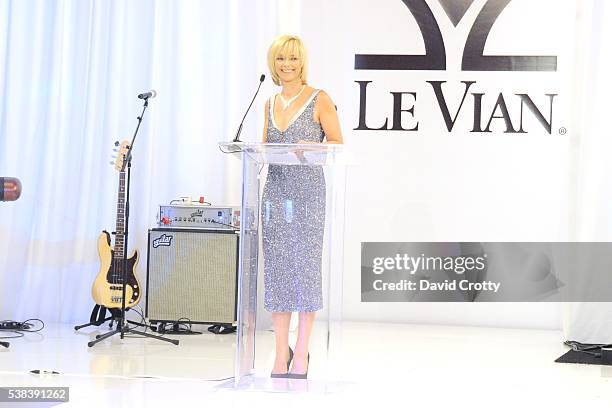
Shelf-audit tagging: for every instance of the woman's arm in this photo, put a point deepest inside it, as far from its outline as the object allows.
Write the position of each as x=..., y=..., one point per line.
x=328, y=117
x=265, y=129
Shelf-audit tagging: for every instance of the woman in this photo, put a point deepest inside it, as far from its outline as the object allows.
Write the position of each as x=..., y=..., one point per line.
x=293, y=204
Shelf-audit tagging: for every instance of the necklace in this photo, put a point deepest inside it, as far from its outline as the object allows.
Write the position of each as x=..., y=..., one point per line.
x=287, y=103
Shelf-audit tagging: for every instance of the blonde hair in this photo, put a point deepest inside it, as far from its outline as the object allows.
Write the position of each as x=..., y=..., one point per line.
x=288, y=45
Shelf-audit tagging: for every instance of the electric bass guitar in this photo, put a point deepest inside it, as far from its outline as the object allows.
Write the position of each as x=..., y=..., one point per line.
x=107, y=288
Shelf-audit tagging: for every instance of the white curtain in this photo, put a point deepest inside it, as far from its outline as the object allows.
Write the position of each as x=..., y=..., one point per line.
x=69, y=75
x=592, y=172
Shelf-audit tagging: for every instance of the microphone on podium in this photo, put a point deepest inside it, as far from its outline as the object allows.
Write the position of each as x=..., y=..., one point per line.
x=237, y=138
x=10, y=188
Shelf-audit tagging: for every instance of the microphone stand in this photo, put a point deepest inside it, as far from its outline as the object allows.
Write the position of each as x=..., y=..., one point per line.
x=122, y=325
x=237, y=138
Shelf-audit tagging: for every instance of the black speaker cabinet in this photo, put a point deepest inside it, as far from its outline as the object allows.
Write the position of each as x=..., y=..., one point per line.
x=192, y=275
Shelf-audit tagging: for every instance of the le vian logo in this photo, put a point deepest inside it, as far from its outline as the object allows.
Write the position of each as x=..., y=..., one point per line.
x=473, y=59
x=163, y=240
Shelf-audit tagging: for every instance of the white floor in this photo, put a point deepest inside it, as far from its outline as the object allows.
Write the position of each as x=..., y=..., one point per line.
x=371, y=364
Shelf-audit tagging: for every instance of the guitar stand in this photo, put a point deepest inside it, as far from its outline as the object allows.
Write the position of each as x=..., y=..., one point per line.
x=93, y=324
x=122, y=323
x=98, y=317
x=124, y=329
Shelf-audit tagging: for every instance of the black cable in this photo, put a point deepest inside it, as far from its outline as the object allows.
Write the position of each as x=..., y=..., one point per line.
x=17, y=334
x=195, y=204
x=183, y=325
x=25, y=326
x=590, y=349
x=25, y=322
x=187, y=325
x=592, y=353
x=228, y=151
x=143, y=320
x=219, y=379
x=222, y=223
x=18, y=329
x=577, y=346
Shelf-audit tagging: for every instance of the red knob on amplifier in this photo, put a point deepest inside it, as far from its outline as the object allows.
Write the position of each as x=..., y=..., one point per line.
x=165, y=220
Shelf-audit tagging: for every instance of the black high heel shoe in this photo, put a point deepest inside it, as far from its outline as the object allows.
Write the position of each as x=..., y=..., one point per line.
x=300, y=376
x=284, y=375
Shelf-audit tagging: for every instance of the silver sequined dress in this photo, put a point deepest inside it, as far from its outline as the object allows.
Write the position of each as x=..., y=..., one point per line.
x=293, y=219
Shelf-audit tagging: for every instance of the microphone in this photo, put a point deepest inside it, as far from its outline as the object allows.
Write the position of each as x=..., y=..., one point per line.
x=147, y=95
x=237, y=138
x=10, y=188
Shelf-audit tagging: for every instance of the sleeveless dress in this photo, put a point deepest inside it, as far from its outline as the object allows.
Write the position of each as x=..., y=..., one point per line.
x=293, y=220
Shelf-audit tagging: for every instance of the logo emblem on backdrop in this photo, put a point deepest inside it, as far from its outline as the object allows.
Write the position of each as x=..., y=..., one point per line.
x=513, y=104
x=473, y=59
x=163, y=240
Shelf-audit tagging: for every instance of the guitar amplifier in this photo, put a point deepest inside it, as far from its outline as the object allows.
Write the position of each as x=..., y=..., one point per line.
x=192, y=275
x=199, y=216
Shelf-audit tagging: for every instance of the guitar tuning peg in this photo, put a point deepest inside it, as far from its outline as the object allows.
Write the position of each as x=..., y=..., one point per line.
x=112, y=163
x=114, y=156
x=117, y=143
x=115, y=150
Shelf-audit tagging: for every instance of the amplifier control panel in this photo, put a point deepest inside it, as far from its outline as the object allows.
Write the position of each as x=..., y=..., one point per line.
x=199, y=216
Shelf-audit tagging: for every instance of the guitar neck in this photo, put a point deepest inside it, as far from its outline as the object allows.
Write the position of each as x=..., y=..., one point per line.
x=120, y=224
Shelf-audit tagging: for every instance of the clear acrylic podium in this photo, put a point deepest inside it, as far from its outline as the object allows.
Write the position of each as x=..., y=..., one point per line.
x=255, y=337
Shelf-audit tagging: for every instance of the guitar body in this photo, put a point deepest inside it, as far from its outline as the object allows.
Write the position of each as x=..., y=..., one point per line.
x=107, y=288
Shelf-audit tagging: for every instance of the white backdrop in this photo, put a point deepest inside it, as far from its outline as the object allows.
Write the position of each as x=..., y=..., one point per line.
x=435, y=186
x=70, y=71
x=69, y=75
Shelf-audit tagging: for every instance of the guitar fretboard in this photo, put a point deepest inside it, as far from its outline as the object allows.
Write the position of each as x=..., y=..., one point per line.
x=120, y=226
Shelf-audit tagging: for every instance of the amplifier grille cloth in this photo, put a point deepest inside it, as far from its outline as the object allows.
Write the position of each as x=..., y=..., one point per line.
x=193, y=278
